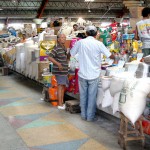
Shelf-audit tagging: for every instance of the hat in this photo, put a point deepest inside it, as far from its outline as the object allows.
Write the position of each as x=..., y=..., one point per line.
x=89, y=28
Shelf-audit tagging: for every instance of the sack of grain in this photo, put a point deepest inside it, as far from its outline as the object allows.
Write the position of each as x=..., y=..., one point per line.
x=115, y=104
x=106, y=82
x=107, y=100
x=133, y=98
x=100, y=95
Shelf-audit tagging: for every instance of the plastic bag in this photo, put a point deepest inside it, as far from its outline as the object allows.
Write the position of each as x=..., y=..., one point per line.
x=107, y=100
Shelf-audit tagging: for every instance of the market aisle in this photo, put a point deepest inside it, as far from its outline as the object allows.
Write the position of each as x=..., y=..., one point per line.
x=31, y=124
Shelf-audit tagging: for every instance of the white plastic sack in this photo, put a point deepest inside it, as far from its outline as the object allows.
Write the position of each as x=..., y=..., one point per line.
x=118, y=80
x=107, y=100
x=116, y=85
x=100, y=95
x=132, y=66
x=115, y=104
x=133, y=98
x=105, y=82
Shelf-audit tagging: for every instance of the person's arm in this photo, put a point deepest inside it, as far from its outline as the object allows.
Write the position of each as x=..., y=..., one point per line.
x=136, y=34
x=106, y=52
x=75, y=49
x=112, y=56
x=55, y=62
x=52, y=59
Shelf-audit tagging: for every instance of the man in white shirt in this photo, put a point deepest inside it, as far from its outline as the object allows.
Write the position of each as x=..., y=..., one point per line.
x=143, y=31
x=89, y=54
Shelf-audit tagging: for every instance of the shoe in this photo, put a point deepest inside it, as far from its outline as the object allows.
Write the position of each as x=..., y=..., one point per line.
x=61, y=107
x=92, y=120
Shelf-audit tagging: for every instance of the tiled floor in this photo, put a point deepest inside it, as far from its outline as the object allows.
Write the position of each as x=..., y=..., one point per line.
x=27, y=123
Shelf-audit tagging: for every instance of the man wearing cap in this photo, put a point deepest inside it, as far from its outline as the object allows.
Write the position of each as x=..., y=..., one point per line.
x=89, y=51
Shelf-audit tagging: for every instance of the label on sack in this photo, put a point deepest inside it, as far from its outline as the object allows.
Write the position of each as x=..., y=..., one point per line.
x=128, y=88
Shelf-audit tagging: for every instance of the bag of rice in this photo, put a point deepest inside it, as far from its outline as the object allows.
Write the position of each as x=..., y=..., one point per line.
x=133, y=98
x=107, y=100
x=100, y=95
x=106, y=82
x=115, y=104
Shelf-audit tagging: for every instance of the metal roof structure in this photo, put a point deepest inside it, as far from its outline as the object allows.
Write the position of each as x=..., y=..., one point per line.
x=29, y=9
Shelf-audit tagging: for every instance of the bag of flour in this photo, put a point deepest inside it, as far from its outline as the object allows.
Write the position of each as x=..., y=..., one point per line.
x=100, y=95
x=117, y=82
x=107, y=100
x=115, y=104
x=133, y=98
x=116, y=85
x=106, y=82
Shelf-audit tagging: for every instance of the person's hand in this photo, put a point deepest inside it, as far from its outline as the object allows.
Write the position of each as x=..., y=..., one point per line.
x=60, y=66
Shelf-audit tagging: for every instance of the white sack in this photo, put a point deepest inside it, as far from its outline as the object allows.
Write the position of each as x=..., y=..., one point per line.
x=116, y=85
x=115, y=104
x=107, y=100
x=118, y=81
x=105, y=82
x=133, y=98
x=132, y=66
x=100, y=95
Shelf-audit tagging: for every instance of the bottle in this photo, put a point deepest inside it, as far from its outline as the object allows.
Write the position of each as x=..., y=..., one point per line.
x=50, y=67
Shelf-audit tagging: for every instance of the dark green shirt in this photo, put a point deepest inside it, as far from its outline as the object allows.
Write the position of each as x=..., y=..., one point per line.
x=60, y=55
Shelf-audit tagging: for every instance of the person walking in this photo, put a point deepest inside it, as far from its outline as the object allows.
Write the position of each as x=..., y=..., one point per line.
x=89, y=51
x=58, y=57
x=143, y=31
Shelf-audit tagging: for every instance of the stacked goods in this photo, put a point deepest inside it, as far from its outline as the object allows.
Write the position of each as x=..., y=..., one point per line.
x=19, y=48
x=116, y=86
x=26, y=48
x=45, y=48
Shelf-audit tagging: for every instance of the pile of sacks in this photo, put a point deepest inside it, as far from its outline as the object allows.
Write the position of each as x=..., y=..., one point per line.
x=124, y=93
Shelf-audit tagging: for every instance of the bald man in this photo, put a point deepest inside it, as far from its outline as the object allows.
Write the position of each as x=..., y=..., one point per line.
x=58, y=57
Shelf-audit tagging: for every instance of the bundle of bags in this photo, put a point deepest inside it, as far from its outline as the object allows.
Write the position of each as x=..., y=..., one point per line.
x=124, y=93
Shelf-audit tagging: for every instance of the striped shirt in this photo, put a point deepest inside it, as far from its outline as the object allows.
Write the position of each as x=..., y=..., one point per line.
x=89, y=50
x=60, y=55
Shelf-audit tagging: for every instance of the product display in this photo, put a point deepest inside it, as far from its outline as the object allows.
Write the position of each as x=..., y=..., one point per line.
x=114, y=95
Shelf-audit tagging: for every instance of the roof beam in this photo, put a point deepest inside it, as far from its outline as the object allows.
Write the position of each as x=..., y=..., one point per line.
x=42, y=8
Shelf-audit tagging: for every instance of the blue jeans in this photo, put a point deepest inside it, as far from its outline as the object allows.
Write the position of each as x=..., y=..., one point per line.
x=88, y=91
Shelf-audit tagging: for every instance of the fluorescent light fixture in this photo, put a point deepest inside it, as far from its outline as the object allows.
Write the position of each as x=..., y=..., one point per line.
x=1, y=9
x=89, y=0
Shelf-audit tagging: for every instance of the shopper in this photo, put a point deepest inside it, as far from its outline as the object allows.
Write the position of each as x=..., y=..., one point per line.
x=75, y=28
x=23, y=40
x=143, y=31
x=58, y=57
x=89, y=50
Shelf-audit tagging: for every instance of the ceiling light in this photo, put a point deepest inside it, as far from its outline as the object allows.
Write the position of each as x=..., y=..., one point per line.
x=14, y=1
x=89, y=10
x=89, y=0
